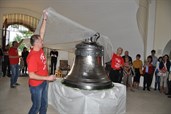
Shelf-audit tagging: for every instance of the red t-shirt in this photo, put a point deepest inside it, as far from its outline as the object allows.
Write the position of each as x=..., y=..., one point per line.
x=117, y=62
x=150, y=69
x=37, y=63
x=13, y=52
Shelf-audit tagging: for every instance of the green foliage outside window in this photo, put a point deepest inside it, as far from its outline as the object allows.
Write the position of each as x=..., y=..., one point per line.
x=21, y=33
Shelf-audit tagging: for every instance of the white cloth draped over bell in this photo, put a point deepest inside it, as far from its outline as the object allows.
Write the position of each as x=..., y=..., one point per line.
x=63, y=34
x=67, y=100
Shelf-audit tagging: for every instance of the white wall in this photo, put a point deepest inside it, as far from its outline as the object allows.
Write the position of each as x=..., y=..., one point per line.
x=113, y=18
x=163, y=26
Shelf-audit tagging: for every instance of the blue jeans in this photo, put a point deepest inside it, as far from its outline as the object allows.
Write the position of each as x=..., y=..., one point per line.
x=15, y=74
x=157, y=82
x=39, y=98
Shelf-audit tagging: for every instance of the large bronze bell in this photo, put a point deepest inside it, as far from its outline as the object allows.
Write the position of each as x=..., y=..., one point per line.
x=87, y=71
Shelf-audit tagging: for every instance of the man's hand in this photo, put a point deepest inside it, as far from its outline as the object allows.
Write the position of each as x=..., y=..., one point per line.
x=20, y=43
x=45, y=14
x=51, y=78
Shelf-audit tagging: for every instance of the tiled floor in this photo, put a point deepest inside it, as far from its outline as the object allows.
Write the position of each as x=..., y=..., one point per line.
x=17, y=100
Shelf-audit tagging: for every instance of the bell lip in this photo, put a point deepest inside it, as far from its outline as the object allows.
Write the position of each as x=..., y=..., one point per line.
x=89, y=86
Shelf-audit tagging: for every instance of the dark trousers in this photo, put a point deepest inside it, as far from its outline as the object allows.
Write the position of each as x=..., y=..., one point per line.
x=169, y=87
x=115, y=75
x=53, y=66
x=147, y=80
x=24, y=70
x=5, y=66
x=137, y=75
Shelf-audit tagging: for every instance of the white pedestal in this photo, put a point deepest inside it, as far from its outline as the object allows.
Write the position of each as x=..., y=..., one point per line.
x=67, y=100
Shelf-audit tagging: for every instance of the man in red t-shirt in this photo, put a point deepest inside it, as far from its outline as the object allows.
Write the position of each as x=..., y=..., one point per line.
x=116, y=65
x=14, y=60
x=38, y=72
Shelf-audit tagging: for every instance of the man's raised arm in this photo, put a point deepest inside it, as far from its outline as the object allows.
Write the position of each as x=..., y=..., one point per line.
x=43, y=25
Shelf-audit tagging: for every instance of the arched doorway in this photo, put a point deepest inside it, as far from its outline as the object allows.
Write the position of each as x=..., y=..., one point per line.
x=167, y=49
x=17, y=19
x=16, y=32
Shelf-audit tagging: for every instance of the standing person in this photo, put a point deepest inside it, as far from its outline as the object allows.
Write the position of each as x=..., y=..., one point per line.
x=157, y=77
x=54, y=56
x=1, y=60
x=148, y=73
x=168, y=65
x=163, y=76
x=155, y=59
x=24, y=57
x=126, y=54
x=128, y=73
x=14, y=60
x=164, y=68
x=116, y=66
x=38, y=72
x=169, y=83
x=137, y=64
x=6, y=63
x=21, y=66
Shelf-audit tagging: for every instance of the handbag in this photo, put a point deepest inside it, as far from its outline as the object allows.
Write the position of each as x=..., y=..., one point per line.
x=161, y=74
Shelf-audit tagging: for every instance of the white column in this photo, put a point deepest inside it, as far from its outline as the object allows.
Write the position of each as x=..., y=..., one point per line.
x=151, y=30
x=151, y=27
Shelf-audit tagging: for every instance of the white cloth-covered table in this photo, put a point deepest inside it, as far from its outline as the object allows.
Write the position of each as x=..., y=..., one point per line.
x=67, y=100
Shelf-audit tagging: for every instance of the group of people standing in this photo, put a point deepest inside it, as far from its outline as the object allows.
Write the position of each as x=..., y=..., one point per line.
x=124, y=70
x=5, y=69
x=10, y=60
x=7, y=57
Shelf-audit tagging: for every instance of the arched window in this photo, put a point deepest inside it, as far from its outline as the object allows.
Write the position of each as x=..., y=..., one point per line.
x=22, y=19
x=17, y=32
x=16, y=20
